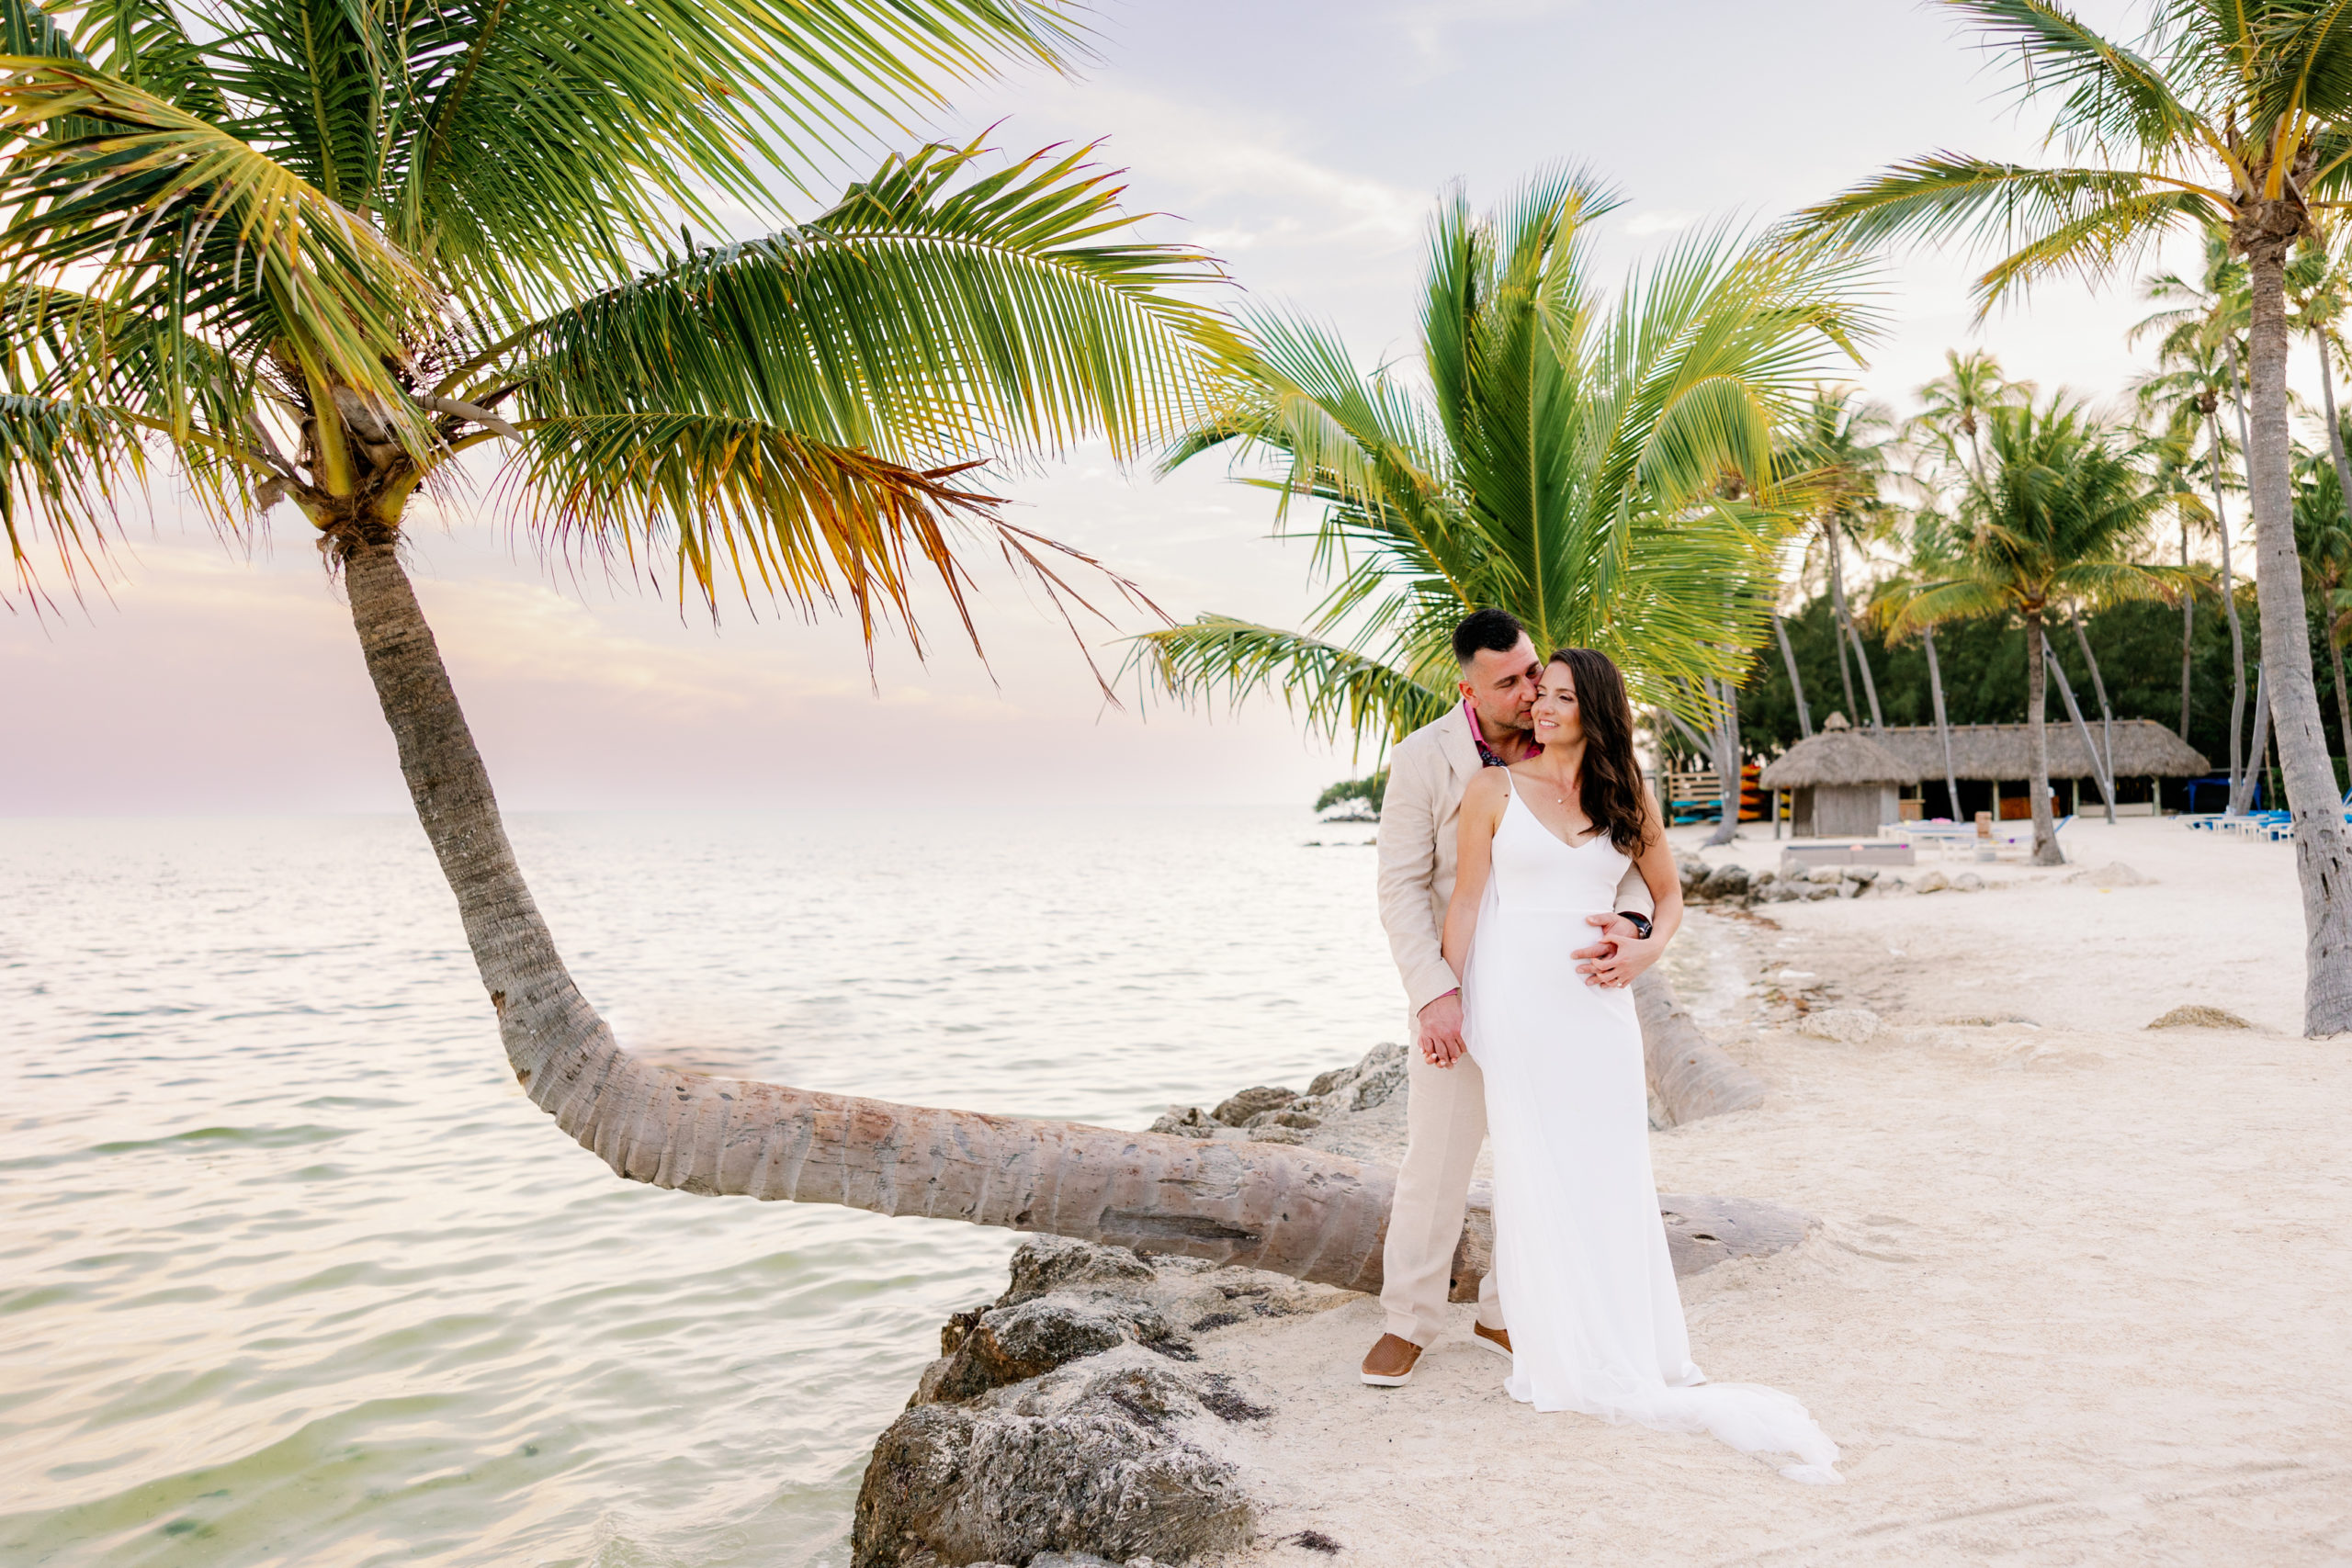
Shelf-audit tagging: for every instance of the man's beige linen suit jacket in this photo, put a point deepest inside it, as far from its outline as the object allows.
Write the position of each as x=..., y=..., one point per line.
x=1445, y=1113
x=1420, y=834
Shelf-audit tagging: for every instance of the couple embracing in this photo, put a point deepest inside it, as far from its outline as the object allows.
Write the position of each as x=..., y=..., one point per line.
x=1524, y=882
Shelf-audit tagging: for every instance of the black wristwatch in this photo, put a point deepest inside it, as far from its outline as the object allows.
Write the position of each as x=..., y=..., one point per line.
x=1641, y=923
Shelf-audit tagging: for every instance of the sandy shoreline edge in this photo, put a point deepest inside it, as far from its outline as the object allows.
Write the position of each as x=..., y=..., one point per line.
x=2074, y=1294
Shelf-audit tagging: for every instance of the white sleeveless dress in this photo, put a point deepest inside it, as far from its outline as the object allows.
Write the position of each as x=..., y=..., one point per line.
x=1580, y=1261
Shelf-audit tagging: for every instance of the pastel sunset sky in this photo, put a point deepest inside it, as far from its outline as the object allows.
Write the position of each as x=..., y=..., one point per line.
x=1303, y=143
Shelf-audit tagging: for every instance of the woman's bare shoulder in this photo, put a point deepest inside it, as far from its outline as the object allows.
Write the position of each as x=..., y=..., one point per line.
x=1486, y=792
x=1490, y=782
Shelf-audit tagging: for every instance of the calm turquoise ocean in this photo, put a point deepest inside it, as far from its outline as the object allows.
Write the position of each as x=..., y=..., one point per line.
x=290, y=1272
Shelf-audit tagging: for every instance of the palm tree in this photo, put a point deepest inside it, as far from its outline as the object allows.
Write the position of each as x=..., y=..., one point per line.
x=2053, y=523
x=314, y=255
x=2320, y=315
x=2197, y=351
x=1603, y=469
x=2170, y=418
x=1952, y=410
x=2237, y=114
x=1841, y=440
x=1952, y=407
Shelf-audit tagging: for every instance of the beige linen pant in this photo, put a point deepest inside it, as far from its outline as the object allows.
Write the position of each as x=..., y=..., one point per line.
x=1445, y=1125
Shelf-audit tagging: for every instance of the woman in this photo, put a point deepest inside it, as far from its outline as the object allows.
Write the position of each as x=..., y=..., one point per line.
x=1581, y=1258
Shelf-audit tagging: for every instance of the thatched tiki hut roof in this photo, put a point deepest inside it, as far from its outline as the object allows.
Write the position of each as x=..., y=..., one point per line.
x=2144, y=749
x=1838, y=757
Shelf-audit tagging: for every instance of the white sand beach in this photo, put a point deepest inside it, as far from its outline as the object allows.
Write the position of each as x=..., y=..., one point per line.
x=2078, y=1292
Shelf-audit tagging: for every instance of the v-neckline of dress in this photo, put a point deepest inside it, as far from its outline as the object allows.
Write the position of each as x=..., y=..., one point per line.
x=1512, y=786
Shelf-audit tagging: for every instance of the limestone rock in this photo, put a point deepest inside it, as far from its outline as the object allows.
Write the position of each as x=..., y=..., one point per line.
x=1111, y=1456
x=1728, y=881
x=1378, y=1077
x=1693, y=871
x=1821, y=890
x=1967, y=882
x=1860, y=875
x=1007, y=1345
x=1827, y=875
x=1847, y=1026
x=1934, y=882
x=1043, y=1263
x=1185, y=1121
x=2196, y=1015
x=1070, y=1417
x=1237, y=1111
x=2115, y=874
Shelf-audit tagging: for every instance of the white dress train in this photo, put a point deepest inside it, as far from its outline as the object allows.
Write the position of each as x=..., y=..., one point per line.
x=1580, y=1259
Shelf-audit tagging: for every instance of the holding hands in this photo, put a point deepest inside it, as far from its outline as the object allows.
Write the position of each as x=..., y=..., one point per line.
x=1621, y=954
x=1442, y=1044
x=1611, y=962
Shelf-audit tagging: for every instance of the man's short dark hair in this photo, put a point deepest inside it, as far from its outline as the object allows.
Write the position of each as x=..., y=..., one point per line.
x=1488, y=631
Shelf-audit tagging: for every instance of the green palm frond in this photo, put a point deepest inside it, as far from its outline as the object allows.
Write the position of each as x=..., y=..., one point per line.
x=1934, y=602
x=147, y=43
x=2047, y=221
x=2058, y=516
x=2113, y=95
x=921, y=318
x=200, y=230
x=1604, y=467
x=57, y=463
x=1338, y=690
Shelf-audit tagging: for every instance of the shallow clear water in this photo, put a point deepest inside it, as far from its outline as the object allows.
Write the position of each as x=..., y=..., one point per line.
x=291, y=1273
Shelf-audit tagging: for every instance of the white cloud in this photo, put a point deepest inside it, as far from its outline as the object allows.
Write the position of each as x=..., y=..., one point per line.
x=1642, y=225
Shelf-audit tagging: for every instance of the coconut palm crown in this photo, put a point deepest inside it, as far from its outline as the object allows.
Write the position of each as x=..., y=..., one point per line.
x=1603, y=468
x=2053, y=522
x=2234, y=113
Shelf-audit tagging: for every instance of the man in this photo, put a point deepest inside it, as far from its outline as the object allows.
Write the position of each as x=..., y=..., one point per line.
x=1446, y=1106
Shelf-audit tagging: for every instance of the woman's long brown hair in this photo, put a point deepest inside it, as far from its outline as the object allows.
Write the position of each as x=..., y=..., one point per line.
x=1611, y=789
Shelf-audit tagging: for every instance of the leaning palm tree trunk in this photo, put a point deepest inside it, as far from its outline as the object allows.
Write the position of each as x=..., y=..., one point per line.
x=1723, y=742
x=1838, y=623
x=2106, y=713
x=2230, y=609
x=2189, y=633
x=1298, y=1212
x=2344, y=493
x=1869, y=685
x=2099, y=775
x=2334, y=427
x=2322, y=849
x=1796, y=682
x=2242, y=801
x=2045, y=831
x=1944, y=729
x=2343, y=697
x=1295, y=1211
x=1692, y=1075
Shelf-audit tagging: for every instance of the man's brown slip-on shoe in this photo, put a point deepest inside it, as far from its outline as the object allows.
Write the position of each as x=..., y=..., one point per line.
x=1390, y=1365
x=1494, y=1339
